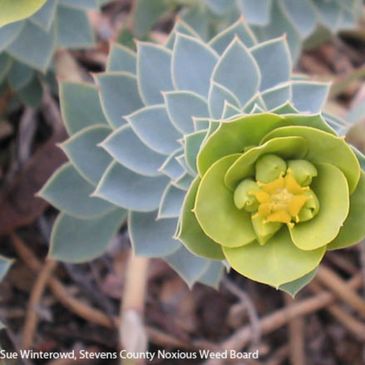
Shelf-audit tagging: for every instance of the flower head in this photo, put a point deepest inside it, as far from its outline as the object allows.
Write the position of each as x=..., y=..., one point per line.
x=281, y=197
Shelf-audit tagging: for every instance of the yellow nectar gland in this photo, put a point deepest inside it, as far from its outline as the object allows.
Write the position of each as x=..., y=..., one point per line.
x=281, y=200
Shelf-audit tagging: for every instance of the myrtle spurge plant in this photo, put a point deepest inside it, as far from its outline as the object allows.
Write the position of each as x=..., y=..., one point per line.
x=268, y=18
x=218, y=155
x=27, y=46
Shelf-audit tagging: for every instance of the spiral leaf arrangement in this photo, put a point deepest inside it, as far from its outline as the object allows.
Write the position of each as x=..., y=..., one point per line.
x=214, y=153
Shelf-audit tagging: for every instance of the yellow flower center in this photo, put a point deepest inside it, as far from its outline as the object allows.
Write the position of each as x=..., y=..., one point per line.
x=281, y=200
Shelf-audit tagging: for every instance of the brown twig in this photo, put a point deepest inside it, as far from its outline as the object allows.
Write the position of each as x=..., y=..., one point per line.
x=353, y=325
x=362, y=262
x=60, y=292
x=94, y=315
x=31, y=317
x=296, y=335
x=342, y=262
x=278, y=356
x=251, y=311
x=340, y=288
x=279, y=318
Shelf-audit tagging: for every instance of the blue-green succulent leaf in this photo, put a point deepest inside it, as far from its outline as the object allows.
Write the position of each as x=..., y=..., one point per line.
x=171, y=202
x=338, y=124
x=171, y=167
x=34, y=47
x=197, y=18
x=151, y=237
x=193, y=143
x=19, y=76
x=281, y=25
x=153, y=126
x=329, y=13
x=119, y=96
x=274, y=60
x=153, y=69
x=213, y=274
x=237, y=70
x=121, y=59
x=257, y=12
x=201, y=124
x=309, y=97
x=8, y=33
x=80, y=240
x=45, y=16
x=145, y=14
x=73, y=28
x=238, y=29
x=184, y=181
x=80, y=106
x=218, y=7
x=277, y=95
x=295, y=286
x=83, y=147
x=218, y=97
x=230, y=111
x=182, y=161
x=71, y=193
x=192, y=64
x=137, y=192
x=187, y=265
x=303, y=15
x=127, y=149
x=180, y=27
x=182, y=106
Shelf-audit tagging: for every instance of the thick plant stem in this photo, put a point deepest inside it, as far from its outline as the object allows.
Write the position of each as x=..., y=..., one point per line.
x=132, y=332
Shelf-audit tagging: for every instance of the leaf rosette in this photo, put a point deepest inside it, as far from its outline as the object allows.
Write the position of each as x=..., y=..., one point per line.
x=139, y=140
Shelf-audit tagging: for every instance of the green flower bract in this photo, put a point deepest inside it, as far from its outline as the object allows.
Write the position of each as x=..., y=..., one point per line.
x=308, y=203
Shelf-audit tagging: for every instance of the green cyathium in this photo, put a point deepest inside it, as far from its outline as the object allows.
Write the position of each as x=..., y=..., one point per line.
x=277, y=200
